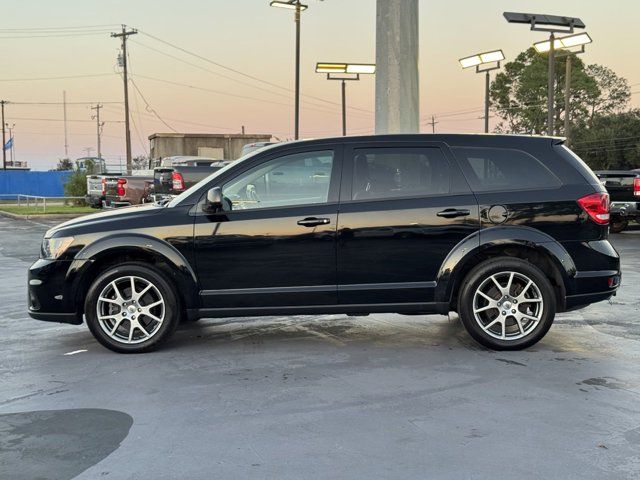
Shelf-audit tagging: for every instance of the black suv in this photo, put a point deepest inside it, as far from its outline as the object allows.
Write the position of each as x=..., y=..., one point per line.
x=504, y=230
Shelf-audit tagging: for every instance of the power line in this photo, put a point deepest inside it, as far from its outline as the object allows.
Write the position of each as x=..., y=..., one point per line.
x=149, y=108
x=3, y=37
x=58, y=28
x=219, y=92
x=62, y=77
x=60, y=103
x=60, y=120
x=244, y=74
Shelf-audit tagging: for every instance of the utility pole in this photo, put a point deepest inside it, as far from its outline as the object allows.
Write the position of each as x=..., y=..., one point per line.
x=567, y=101
x=433, y=123
x=99, y=125
x=4, y=138
x=127, y=132
x=64, y=115
x=551, y=87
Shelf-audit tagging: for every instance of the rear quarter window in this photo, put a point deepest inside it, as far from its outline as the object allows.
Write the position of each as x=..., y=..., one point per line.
x=493, y=169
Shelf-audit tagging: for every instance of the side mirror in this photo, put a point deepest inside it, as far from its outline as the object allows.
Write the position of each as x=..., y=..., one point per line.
x=214, y=200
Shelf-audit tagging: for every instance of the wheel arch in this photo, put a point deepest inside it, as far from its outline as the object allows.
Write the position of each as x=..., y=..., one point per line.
x=513, y=241
x=117, y=249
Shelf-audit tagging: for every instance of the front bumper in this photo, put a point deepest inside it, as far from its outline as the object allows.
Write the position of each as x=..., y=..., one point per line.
x=52, y=291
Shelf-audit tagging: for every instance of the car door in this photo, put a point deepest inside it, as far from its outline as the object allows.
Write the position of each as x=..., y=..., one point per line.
x=404, y=206
x=274, y=243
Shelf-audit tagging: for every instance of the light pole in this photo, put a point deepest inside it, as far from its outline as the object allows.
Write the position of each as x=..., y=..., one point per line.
x=298, y=7
x=492, y=59
x=566, y=44
x=345, y=72
x=552, y=24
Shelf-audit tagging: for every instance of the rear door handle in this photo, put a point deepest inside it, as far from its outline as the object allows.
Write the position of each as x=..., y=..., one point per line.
x=453, y=213
x=313, y=221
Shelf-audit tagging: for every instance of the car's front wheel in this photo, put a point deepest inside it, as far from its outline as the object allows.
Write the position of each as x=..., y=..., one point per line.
x=131, y=308
x=507, y=303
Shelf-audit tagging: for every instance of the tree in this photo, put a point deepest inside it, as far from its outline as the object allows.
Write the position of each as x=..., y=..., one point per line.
x=519, y=93
x=64, y=164
x=609, y=141
x=141, y=162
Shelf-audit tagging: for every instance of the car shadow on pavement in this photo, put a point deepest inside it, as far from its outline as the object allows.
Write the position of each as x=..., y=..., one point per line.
x=58, y=444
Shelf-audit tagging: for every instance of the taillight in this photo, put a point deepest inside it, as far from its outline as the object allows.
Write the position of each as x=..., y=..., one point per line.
x=636, y=187
x=121, y=183
x=597, y=207
x=104, y=186
x=177, y=181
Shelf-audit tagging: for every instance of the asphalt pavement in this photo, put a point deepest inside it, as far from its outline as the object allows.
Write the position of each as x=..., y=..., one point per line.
x=318, y=397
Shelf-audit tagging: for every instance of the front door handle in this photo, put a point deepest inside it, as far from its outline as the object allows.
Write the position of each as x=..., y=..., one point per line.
x=313, y=222
x=453, y=213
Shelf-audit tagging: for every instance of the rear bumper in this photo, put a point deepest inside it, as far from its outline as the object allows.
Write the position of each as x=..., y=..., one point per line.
x=625, y=209
x=598, y=274
x=115, y=202
x=593, y=287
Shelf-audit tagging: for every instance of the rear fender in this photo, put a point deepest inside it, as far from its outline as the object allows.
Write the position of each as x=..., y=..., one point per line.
x=452, y=269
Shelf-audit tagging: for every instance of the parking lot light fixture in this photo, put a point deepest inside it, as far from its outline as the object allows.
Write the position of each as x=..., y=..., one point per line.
x=297, y=7
x=345, y=72
x=564, y=43
x=289, y=5
x=553, y=24
x=566, y=47
x=484, y=63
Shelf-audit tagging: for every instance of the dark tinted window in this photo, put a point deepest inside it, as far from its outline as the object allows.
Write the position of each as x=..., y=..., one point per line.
x=399, y=172
x=490, y=169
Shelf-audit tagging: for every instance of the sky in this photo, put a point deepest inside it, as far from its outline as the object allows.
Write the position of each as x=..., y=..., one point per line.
x=239, y=41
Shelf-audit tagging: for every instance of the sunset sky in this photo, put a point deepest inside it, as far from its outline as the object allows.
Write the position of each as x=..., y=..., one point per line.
x=250, y=37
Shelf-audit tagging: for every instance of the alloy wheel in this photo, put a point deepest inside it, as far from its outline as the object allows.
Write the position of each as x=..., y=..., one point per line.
x=508, y=305
x=130, y=309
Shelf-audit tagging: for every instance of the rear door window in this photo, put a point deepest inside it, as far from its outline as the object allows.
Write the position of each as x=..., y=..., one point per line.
x=492, y=169
x=399, y=172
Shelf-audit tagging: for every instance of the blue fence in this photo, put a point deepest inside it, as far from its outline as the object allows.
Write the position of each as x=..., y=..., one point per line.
x=45, y=184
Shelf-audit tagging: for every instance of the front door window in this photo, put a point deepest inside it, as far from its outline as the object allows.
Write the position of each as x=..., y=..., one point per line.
x=292, y=180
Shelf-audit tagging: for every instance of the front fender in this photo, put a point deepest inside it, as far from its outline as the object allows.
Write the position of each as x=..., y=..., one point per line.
x=169, y=260
x=451, y=269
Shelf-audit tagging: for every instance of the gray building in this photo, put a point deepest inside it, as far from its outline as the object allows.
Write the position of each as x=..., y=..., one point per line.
x=211, y=145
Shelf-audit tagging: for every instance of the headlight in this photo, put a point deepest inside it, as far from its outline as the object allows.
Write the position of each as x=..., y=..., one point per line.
x=52, y=248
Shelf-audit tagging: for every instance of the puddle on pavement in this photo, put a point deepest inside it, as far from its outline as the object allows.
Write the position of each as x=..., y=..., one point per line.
x=58, y=444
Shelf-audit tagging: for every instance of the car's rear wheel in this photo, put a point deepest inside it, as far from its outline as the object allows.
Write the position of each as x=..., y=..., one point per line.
x=131, y=308
x=618, y=226
x=507, y=303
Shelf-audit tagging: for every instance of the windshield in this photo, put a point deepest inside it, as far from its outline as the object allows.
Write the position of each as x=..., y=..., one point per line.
x=188, y=192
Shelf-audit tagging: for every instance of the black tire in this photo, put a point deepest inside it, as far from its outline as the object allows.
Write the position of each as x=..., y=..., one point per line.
x=498, y=266
x=618, y=226
x=143, y=273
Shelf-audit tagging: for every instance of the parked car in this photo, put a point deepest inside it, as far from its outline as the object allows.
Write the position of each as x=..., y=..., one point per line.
x=252, y=147
x=96, y=169
x=183, y=160
x=624, y=190
x=126, y=190
x=504, y=230
x=171, y=181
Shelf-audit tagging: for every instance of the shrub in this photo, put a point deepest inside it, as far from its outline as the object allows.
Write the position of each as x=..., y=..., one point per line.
x=76, y=186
